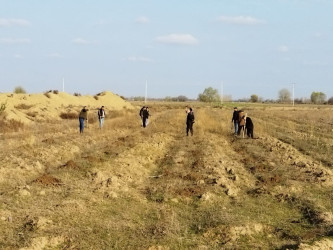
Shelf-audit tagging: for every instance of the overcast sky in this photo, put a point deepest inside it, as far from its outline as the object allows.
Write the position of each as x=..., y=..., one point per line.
x=179, y=47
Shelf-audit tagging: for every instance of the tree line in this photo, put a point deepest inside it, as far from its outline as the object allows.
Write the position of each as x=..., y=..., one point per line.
x=212, y=95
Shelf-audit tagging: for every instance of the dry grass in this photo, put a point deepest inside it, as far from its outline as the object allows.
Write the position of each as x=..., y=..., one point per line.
x=69, y=115
x=126, y=187
x=10, y=126
x=23, y=106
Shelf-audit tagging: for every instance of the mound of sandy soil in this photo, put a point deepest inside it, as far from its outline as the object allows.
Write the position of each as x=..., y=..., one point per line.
x=49, y=106
x=48, y=180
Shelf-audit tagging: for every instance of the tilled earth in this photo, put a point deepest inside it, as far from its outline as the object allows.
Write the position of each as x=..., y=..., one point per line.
x=126, y=187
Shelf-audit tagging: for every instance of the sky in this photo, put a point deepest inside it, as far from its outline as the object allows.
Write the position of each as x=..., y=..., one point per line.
x=179, y=47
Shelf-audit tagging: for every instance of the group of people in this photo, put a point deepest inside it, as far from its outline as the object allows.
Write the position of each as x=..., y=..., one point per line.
x=242, y=123
x=83, y=117
x=240, y=120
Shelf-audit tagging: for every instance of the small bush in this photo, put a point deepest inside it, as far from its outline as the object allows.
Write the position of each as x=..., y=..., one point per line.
x=55, y=92
x=19, y=90
x=23, y=106
x=10, y=126
x=96, y=97
x=47, y=94
x=77, y=94
x=3, y=107
x=32, y=114
x=69, y=115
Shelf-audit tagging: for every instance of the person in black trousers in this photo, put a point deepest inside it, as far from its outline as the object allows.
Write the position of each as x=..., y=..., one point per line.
x=145, y=116
x=234, y=119
x=249, y=127
x=189, y=122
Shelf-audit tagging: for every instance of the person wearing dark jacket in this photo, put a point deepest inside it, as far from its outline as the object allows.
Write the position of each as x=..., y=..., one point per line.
x=249, y=127
x=189, y=122
x=101, y=116
x=83, y=116
x=145, y=116
x=235, y=119
x=141, y=113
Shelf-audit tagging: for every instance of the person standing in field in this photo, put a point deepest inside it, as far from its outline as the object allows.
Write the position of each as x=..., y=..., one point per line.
x=235, y=120
x=241, y=121
x=83, y=116
x=249, y=127
x=101, y=116
x=145, y=116
x=141, y=113
x=189, y=122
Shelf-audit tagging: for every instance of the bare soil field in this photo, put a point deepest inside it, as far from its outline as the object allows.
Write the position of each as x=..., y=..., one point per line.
x=128, y=187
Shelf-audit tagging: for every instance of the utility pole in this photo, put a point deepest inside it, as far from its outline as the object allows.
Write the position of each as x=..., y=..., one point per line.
x=293, y=94
x=63, y=84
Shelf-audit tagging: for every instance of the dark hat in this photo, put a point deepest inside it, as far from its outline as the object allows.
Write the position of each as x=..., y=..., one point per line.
x=235, y=107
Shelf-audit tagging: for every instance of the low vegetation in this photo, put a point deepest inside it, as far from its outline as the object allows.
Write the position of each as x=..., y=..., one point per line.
x=19, y=90
x=69, y=115
x=125, y=187
x=3, y=107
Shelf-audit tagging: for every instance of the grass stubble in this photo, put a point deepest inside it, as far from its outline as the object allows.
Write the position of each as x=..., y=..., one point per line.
x=125, y=187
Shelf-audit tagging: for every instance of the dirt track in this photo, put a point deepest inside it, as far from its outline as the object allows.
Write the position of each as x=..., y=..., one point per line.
x=130, y=187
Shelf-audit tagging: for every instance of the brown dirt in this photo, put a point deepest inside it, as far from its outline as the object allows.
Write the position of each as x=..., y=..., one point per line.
x=137, y=188
x=48, y=180
x=70, y=165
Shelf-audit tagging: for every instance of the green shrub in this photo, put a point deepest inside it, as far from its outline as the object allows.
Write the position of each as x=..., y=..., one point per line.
x=19, y=90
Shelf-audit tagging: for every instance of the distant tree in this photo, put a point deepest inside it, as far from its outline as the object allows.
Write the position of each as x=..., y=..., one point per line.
x=138, y=98
x=254, y=98
x=182, y=98
x=318, y=97
x=284, y=95
x=209, y=95
x=244, y=99
x=330, y=101
x=299, y=100
x=19, y=90
x=269, y=101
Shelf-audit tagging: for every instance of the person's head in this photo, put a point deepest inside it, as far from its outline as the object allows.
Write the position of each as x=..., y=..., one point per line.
x=235, y=108
x=190, y=109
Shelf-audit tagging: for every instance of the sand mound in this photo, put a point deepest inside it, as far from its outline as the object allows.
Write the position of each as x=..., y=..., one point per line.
x=48, y=180
x=49, y=106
